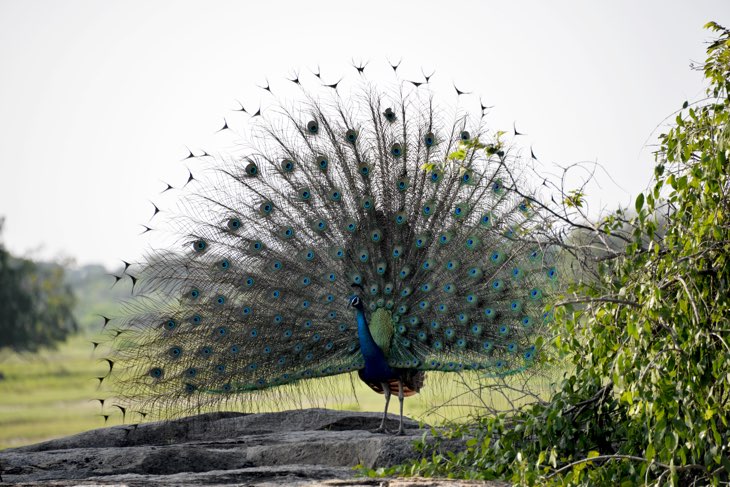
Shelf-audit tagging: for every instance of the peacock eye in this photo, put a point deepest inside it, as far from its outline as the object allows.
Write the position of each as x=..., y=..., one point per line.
x=322, y=163
x=199, y=245
x=252, y=169
x=266, y=208
x=429, y=139
x=305, y=194
x=312, y=127
x=287, y=165
x=389, y=114
x=234, y=224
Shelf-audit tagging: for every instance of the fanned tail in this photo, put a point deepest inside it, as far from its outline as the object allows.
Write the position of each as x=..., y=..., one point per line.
x=423, y=208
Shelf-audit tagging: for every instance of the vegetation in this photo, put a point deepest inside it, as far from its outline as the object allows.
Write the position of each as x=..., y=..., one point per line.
x=647, y=398
x=47, y=369
x=645, y=334
x=35, y=304
x=49, y=393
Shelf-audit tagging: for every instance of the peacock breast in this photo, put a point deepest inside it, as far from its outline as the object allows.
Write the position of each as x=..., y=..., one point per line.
x=382, y=329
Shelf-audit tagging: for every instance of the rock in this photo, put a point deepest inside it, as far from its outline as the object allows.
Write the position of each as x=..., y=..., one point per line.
x=292, y=448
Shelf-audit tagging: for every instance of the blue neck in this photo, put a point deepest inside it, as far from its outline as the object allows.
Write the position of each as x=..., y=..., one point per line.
x=376, y=365
x=369, y=348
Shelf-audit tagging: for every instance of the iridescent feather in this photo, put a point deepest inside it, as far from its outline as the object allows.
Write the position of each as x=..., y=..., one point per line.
x=418, y=212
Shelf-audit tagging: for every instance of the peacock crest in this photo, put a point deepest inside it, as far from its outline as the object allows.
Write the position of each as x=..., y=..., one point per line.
x=366, y=228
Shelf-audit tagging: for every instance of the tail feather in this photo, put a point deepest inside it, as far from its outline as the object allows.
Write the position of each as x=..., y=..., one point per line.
x=422, y=207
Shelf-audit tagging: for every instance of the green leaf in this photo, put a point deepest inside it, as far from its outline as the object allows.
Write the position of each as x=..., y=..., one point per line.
x=639, y=202
x=457, y=155
x=650, y=452
x=553, y=460
x=627, y=397
x=540, y=458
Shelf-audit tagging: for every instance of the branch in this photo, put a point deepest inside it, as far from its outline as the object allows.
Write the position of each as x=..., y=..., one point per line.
x=681, y=468
x=599, y=300
x=599, y=395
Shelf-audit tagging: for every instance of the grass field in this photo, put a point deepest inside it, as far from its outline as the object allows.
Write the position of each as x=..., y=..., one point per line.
x=51, y=394
x=48, y=394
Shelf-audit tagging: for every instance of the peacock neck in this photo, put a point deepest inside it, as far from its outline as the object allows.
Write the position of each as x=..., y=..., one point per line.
x=370, y=350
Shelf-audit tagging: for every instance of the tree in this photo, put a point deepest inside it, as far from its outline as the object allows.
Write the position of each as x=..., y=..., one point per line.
x=35, y=304
x=647, y=400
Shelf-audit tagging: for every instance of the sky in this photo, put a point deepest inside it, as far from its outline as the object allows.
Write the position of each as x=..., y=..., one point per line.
x=100, y=100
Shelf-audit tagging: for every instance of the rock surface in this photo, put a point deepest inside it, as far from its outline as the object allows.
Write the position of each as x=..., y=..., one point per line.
x=292, y=448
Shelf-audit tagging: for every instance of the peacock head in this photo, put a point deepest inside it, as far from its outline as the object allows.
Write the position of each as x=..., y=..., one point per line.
x=356, y=302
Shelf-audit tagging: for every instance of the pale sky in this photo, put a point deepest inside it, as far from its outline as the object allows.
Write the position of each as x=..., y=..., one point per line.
x=99, y=99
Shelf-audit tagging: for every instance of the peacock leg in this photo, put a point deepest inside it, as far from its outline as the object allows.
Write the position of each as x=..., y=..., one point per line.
x=400, y=399
x=386, y=392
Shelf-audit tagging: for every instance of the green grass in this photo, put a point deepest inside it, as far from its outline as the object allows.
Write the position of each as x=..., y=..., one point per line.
x=48, y=394
x=51, y=394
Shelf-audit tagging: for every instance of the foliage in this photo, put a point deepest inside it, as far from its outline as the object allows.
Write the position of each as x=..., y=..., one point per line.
x=35, y=304
x=647, y=401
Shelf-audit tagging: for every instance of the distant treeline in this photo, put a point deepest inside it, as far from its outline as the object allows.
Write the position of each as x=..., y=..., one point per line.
x=42, y=303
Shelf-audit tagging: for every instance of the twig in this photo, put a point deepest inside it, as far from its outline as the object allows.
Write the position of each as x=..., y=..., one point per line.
x=681, y=468
x=599, y=395
x=599, y=300
x=691, y=300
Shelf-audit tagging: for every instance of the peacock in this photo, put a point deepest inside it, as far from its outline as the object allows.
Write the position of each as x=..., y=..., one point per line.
x=368, y=229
